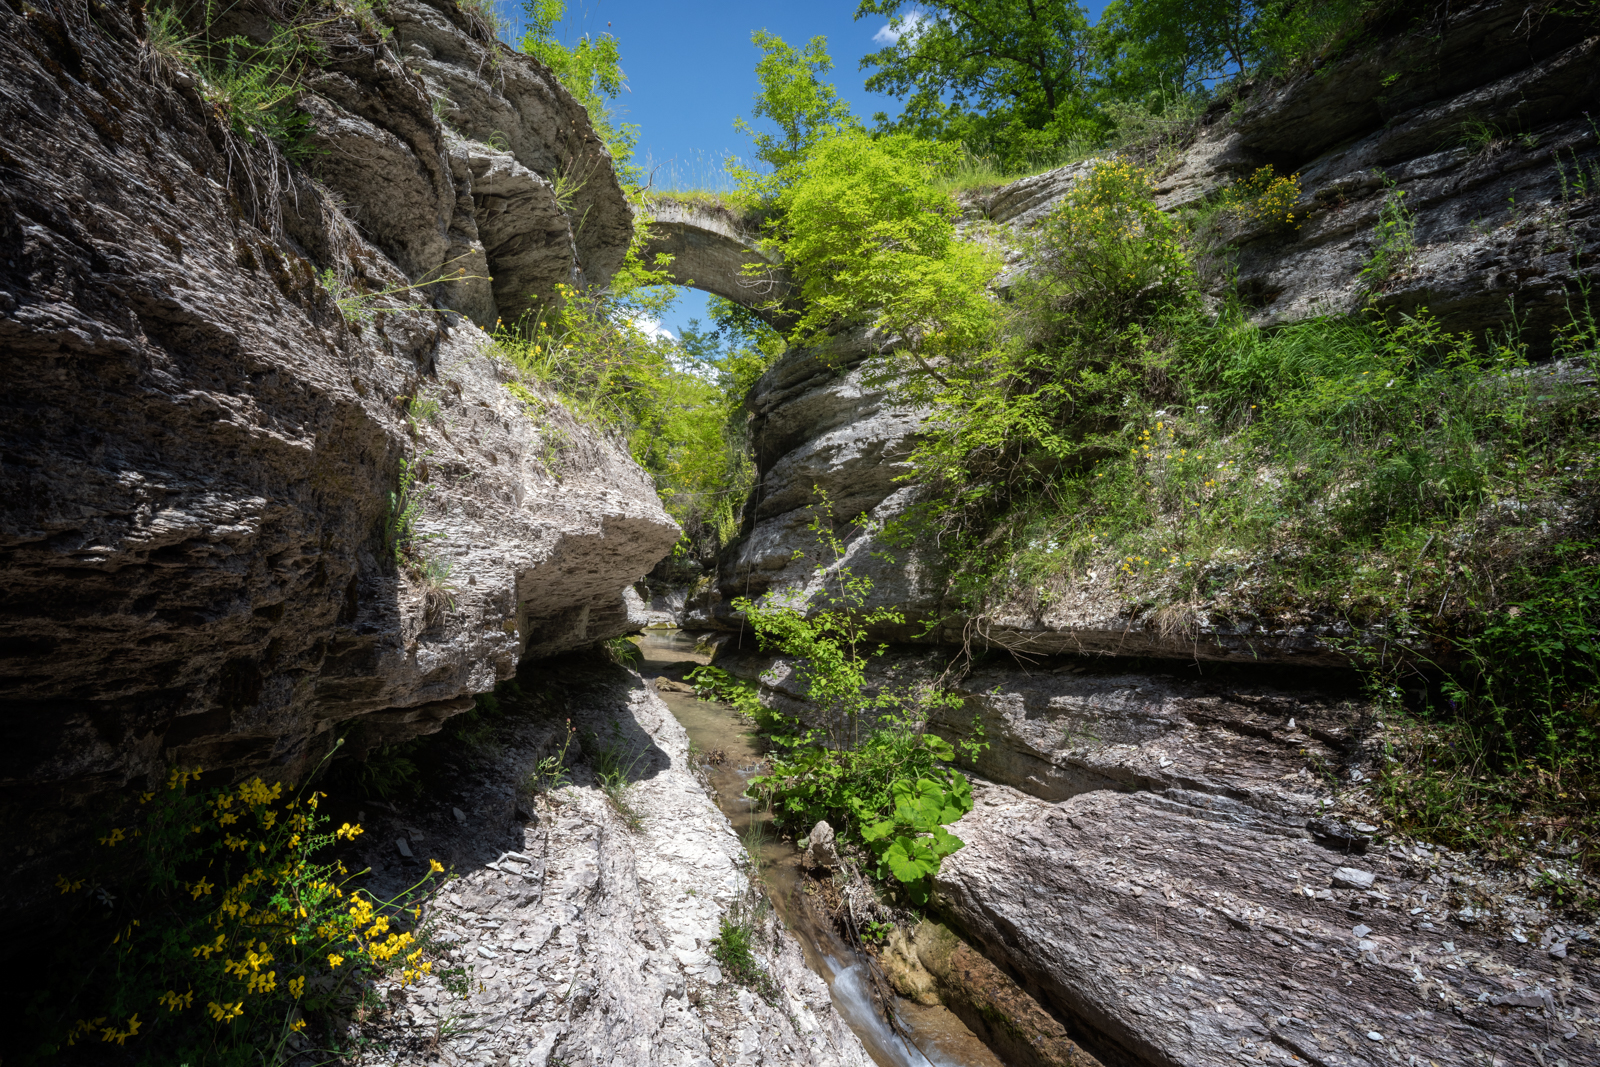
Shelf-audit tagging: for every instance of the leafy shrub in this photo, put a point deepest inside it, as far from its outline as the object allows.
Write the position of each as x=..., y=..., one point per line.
x=872, y=770
x=1507, y=751
x=870, y=240
x=912, y=841
x=210, y=927
x=1080, y=340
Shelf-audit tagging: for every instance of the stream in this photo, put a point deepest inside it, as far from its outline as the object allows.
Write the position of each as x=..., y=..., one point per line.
x=937, y=1037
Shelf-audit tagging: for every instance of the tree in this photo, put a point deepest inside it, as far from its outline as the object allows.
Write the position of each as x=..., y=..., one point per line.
x=802, y=106
x=1009, y=77
x=1191, y=45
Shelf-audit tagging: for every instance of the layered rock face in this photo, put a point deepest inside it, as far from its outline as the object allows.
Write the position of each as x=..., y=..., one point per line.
x=1177, y=932
x=206, y=460
x=1477, y=115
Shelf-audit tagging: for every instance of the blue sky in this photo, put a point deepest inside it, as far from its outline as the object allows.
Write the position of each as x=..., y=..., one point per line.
x=691, y=70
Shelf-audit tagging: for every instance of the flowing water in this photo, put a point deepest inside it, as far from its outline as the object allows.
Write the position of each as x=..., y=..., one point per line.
x=936, y=1037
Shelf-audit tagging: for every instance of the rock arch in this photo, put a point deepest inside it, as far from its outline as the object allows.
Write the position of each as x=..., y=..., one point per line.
x=711, y=245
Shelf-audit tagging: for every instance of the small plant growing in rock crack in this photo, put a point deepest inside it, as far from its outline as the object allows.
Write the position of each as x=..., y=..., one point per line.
x=1266, y=198
x=623, y=652
x=405, y=508
x=614, y=762
x=1394, y=240
x=734, y=947
x=420, y=409
x=550, y=773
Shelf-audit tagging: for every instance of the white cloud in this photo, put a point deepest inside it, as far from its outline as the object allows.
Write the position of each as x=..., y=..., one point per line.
x=910, y=26
x=651, y=328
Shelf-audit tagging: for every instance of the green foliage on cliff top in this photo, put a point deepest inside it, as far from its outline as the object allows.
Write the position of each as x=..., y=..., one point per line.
x=870, y=241
x=591, y=70
x=1031, y=83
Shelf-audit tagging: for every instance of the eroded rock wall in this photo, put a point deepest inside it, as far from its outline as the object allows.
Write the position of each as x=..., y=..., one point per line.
x=587, y=940
x=202, y=454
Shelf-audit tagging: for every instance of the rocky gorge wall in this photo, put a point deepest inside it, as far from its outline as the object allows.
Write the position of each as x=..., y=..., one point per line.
x=1502, y=234
x=206, y=424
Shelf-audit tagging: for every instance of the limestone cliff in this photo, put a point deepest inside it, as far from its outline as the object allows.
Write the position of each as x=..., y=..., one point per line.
x=219, y=366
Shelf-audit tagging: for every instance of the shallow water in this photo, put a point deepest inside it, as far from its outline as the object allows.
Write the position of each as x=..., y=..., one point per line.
x=937, y=1037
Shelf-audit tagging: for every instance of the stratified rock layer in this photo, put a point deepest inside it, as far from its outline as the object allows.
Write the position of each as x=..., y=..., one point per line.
x=204, y=455
x=1188, y=931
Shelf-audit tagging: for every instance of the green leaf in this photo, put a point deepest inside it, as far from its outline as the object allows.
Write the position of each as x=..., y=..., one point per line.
x=877, y=830
x=910, y=860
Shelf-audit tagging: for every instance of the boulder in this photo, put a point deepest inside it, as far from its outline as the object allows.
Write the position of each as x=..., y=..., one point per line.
x=1181, y=930
x=821, y=851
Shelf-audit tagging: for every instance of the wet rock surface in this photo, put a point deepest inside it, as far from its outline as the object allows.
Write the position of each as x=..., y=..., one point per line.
x=584, y=942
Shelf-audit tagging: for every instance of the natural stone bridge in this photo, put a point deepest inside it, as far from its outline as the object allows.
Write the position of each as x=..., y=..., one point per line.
x=711, y=245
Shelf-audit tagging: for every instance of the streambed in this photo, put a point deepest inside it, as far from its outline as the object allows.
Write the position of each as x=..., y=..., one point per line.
x=937, y=1037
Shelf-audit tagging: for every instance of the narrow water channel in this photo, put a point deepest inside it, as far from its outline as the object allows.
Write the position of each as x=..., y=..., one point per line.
x=937, y=1037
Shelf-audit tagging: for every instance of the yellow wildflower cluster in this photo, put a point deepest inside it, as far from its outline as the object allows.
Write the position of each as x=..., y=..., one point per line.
x=172, y=1000
x=1267, y=198
x=84, y=1027
x=178, y=776
x=280, y=912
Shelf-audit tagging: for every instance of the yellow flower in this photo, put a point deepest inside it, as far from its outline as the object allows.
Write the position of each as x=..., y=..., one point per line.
x=226, y=1013
x=334, y=959
x=297, y=986
x=202, y=886
x=298, y=1025
x=112, y=838
x=347, y=832
x=436, y=867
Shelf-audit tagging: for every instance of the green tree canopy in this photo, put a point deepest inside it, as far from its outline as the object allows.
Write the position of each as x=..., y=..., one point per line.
x=1008, y=77
x=797, y=101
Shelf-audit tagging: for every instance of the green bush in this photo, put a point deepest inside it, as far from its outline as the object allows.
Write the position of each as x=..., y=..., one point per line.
x=1506, y=752
x=871, y=769
x=870, y=240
